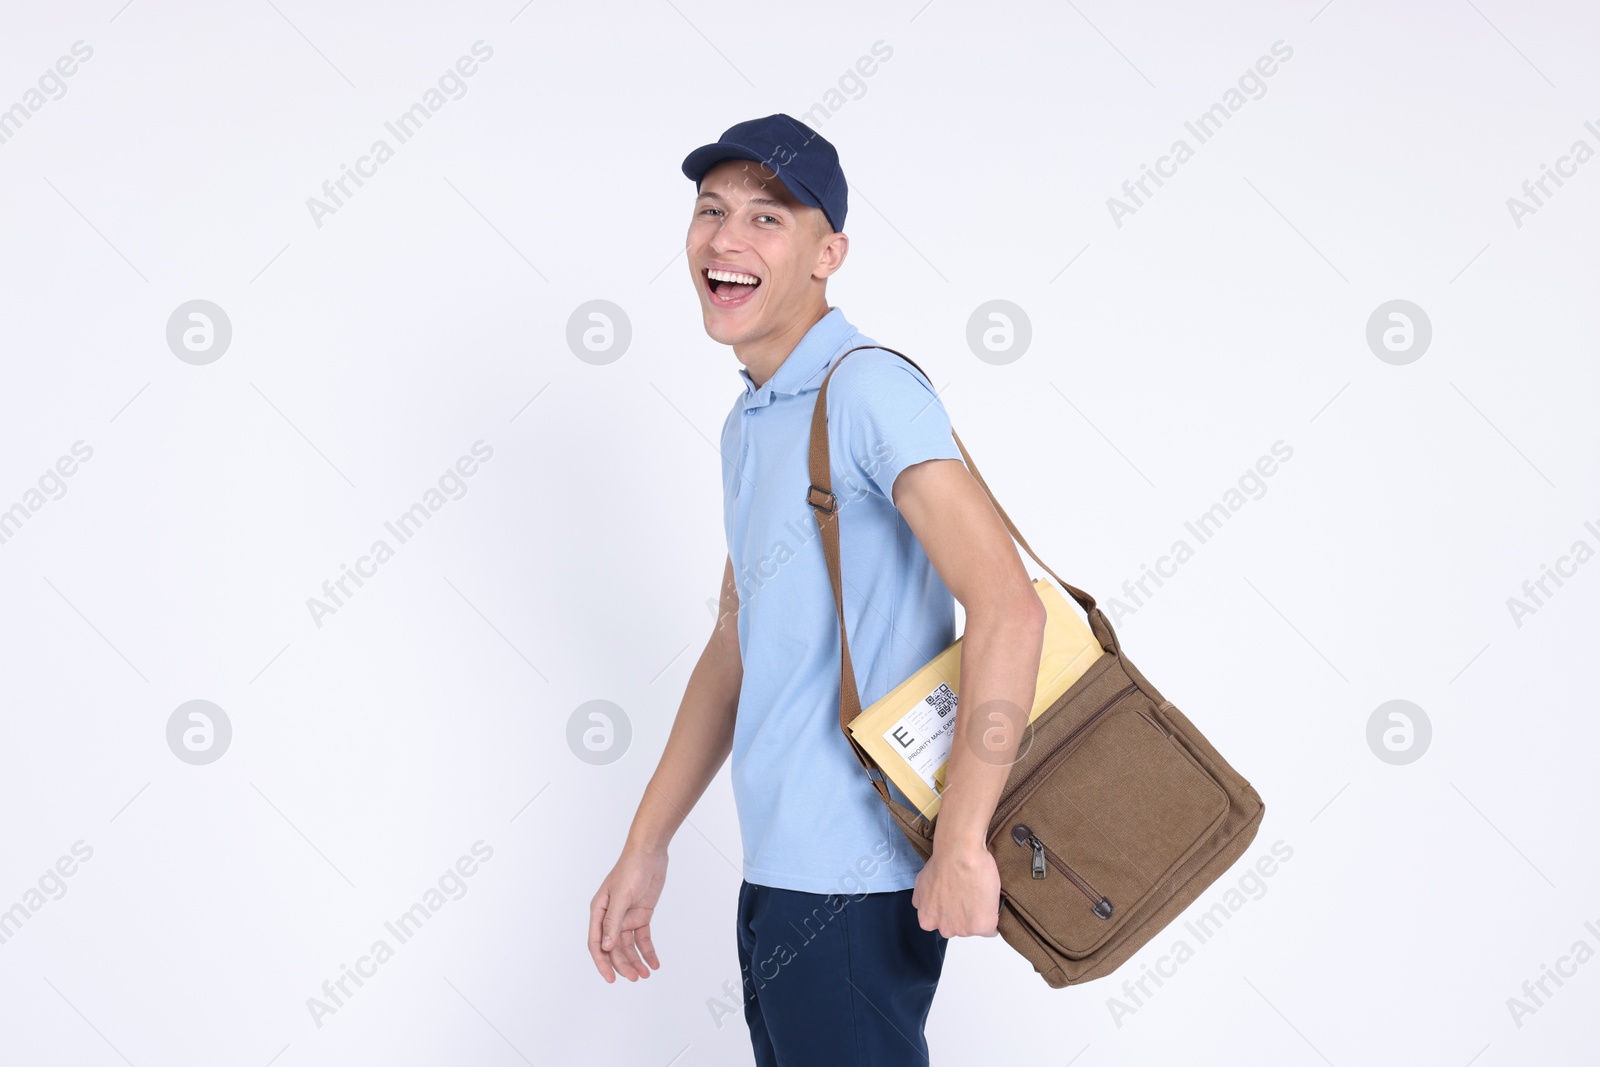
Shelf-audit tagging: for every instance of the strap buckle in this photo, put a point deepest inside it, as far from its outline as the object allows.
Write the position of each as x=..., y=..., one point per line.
x=875, y=774
x=814, y=492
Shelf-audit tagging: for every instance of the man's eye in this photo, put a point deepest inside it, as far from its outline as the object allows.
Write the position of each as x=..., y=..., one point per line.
x=774, y=218
x=707, y=209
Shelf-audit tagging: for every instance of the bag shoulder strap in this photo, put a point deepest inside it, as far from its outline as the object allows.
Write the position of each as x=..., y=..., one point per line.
x=824, y=507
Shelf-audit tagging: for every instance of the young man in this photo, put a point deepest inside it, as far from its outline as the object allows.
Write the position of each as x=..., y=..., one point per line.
x=841, y=927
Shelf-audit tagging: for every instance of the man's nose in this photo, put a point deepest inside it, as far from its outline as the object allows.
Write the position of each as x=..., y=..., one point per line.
x=727, y=237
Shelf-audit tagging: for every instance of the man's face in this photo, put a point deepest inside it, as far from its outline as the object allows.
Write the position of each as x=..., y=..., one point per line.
x=747, y=223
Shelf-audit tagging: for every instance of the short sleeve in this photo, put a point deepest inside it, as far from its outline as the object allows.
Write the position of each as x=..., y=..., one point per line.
x=886, y=416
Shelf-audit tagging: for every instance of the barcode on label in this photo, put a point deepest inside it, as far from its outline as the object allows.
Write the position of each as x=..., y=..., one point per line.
x=942, y=700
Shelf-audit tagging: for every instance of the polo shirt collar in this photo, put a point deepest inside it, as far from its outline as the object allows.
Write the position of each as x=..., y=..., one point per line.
x=803, y=369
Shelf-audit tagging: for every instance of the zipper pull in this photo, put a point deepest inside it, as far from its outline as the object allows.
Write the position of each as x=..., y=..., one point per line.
x=1024, y=836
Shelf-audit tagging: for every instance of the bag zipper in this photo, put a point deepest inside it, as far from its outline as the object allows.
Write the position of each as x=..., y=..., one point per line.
x=1025, y=837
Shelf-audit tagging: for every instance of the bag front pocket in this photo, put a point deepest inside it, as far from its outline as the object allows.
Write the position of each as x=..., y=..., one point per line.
x=1103, y=820
x=1022, y=834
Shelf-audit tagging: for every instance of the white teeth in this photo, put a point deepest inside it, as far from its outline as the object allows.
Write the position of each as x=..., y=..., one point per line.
x=733, y=276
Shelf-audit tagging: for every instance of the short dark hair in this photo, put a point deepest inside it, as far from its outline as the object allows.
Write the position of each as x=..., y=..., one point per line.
x=824, y=227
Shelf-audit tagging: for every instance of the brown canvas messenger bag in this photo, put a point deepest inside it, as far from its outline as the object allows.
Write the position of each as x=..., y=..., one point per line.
x=1117, y=814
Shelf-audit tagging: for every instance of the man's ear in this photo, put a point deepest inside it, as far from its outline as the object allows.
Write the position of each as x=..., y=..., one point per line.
x=830, y=255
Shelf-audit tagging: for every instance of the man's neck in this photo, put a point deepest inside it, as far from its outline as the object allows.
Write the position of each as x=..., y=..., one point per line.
x=763, y=358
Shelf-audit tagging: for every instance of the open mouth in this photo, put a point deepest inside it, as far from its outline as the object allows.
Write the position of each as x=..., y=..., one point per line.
x=730, y=288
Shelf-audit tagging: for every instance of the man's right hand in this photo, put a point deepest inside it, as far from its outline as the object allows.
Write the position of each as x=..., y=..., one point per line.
x=619, y=915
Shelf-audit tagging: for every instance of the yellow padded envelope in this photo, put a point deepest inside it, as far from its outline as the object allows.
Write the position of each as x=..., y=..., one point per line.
x=909, y=732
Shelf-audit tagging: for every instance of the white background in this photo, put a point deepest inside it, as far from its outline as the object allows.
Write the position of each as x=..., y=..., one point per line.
x=430, y=312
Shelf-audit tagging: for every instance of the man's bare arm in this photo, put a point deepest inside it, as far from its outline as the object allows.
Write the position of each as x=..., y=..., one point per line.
x=701, y=738
x=702, y=732
x=968, y=544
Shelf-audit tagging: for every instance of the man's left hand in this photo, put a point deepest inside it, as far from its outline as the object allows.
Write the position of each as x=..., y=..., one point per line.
x=957, y=892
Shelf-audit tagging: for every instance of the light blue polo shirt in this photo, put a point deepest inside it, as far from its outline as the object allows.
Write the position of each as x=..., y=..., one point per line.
x=809, y=817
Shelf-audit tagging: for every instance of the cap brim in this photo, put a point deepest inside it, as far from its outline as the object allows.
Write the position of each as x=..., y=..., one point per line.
x=702, y=159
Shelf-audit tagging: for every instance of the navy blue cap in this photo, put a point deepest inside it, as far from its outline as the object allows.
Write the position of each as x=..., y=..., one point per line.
x=802, y=158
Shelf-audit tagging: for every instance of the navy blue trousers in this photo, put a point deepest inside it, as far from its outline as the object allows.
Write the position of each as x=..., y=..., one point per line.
x=836, y=980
